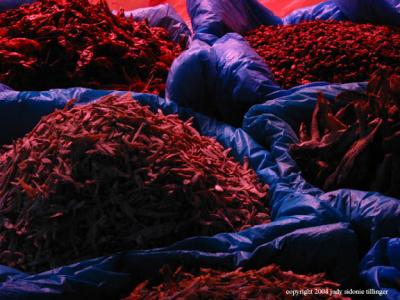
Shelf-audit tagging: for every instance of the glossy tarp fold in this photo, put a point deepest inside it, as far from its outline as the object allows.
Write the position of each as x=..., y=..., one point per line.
x=303, y=229
x=223, y=80
x=212, y=19
x=380, y=268
x=327, y=10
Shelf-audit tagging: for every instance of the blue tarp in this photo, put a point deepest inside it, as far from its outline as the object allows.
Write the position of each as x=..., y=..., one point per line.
x=223, y=80
x=163, y=15
x=371, y=11
x=8, y=4
x=327, y=10
x=380, y=268
x=212, y=19
x=303, y=228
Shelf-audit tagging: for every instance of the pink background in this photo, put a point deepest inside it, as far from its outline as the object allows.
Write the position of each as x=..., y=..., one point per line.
x=279, y=7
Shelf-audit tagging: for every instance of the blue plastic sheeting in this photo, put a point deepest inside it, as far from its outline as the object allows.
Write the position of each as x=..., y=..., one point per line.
x=371, y=11
x=163, y=15
x=4, y=87
x=324, y=11
x=380, y=268
x=8, y=4
x=222, y=81
x=274, y=124
x=212, y=19
x=306, y=236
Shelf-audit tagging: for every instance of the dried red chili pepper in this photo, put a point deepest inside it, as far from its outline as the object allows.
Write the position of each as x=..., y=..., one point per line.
x=357, y=140
x=332, y=51
x=113, y=176
x=57, y=44
x=267, y=283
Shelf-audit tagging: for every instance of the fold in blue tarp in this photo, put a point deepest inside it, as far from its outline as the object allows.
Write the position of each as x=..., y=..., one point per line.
x=301, y=229
x=380, y=269
x=327, y=10
x=223, y=80
x=212, y=19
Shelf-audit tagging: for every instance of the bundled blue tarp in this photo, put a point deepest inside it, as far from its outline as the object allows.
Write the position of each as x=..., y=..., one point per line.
x=380, y=268
x=214, y=18
x=223, y=80
x=302, y=237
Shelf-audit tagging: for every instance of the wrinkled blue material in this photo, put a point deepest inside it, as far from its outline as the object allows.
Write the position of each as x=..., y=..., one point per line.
x=300, y=238
x=274, y=124
x=212, y=19
x=371, y=11
x=163, y=15
x=9, y=4
x=223, y=80
x=327, y=10
x=380, y=268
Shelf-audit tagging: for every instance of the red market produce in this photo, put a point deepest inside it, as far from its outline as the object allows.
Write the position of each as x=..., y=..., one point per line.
x=58, y=44
x=267, y=283
x=355, y=141
x=113, y=175
x=332, y=51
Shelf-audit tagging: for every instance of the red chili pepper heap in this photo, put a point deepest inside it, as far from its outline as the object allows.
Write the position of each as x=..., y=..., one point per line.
x=111, y=176
x=354, y=142
x=329, y=51
x=267, y=283
x=58, y=44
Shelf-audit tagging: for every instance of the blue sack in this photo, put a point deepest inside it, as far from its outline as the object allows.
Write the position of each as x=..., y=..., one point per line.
x=165, y=16
x=302, y=237
x=380, y=268
x=212, y=19
x=371, y=11
x=223, y=80
x=274, y=124
x=327, y=10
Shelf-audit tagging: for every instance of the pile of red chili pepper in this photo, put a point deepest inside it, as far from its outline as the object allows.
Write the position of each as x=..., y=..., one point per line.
x=332, y=51
x=58, y=44
x=267, y=283
x=112, y=175
x=354, y=142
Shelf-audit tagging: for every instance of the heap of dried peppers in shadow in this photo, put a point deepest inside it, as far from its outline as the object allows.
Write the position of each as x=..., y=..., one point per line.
x=112, y=175
x=332, y=51
x=354, y=142
x=267, y=283
x=57, y=44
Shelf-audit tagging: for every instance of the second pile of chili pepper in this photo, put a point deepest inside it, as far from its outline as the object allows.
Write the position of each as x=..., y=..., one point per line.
x=270, y=282
x=58, y=44
x=332, y=51
x=354, y=142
